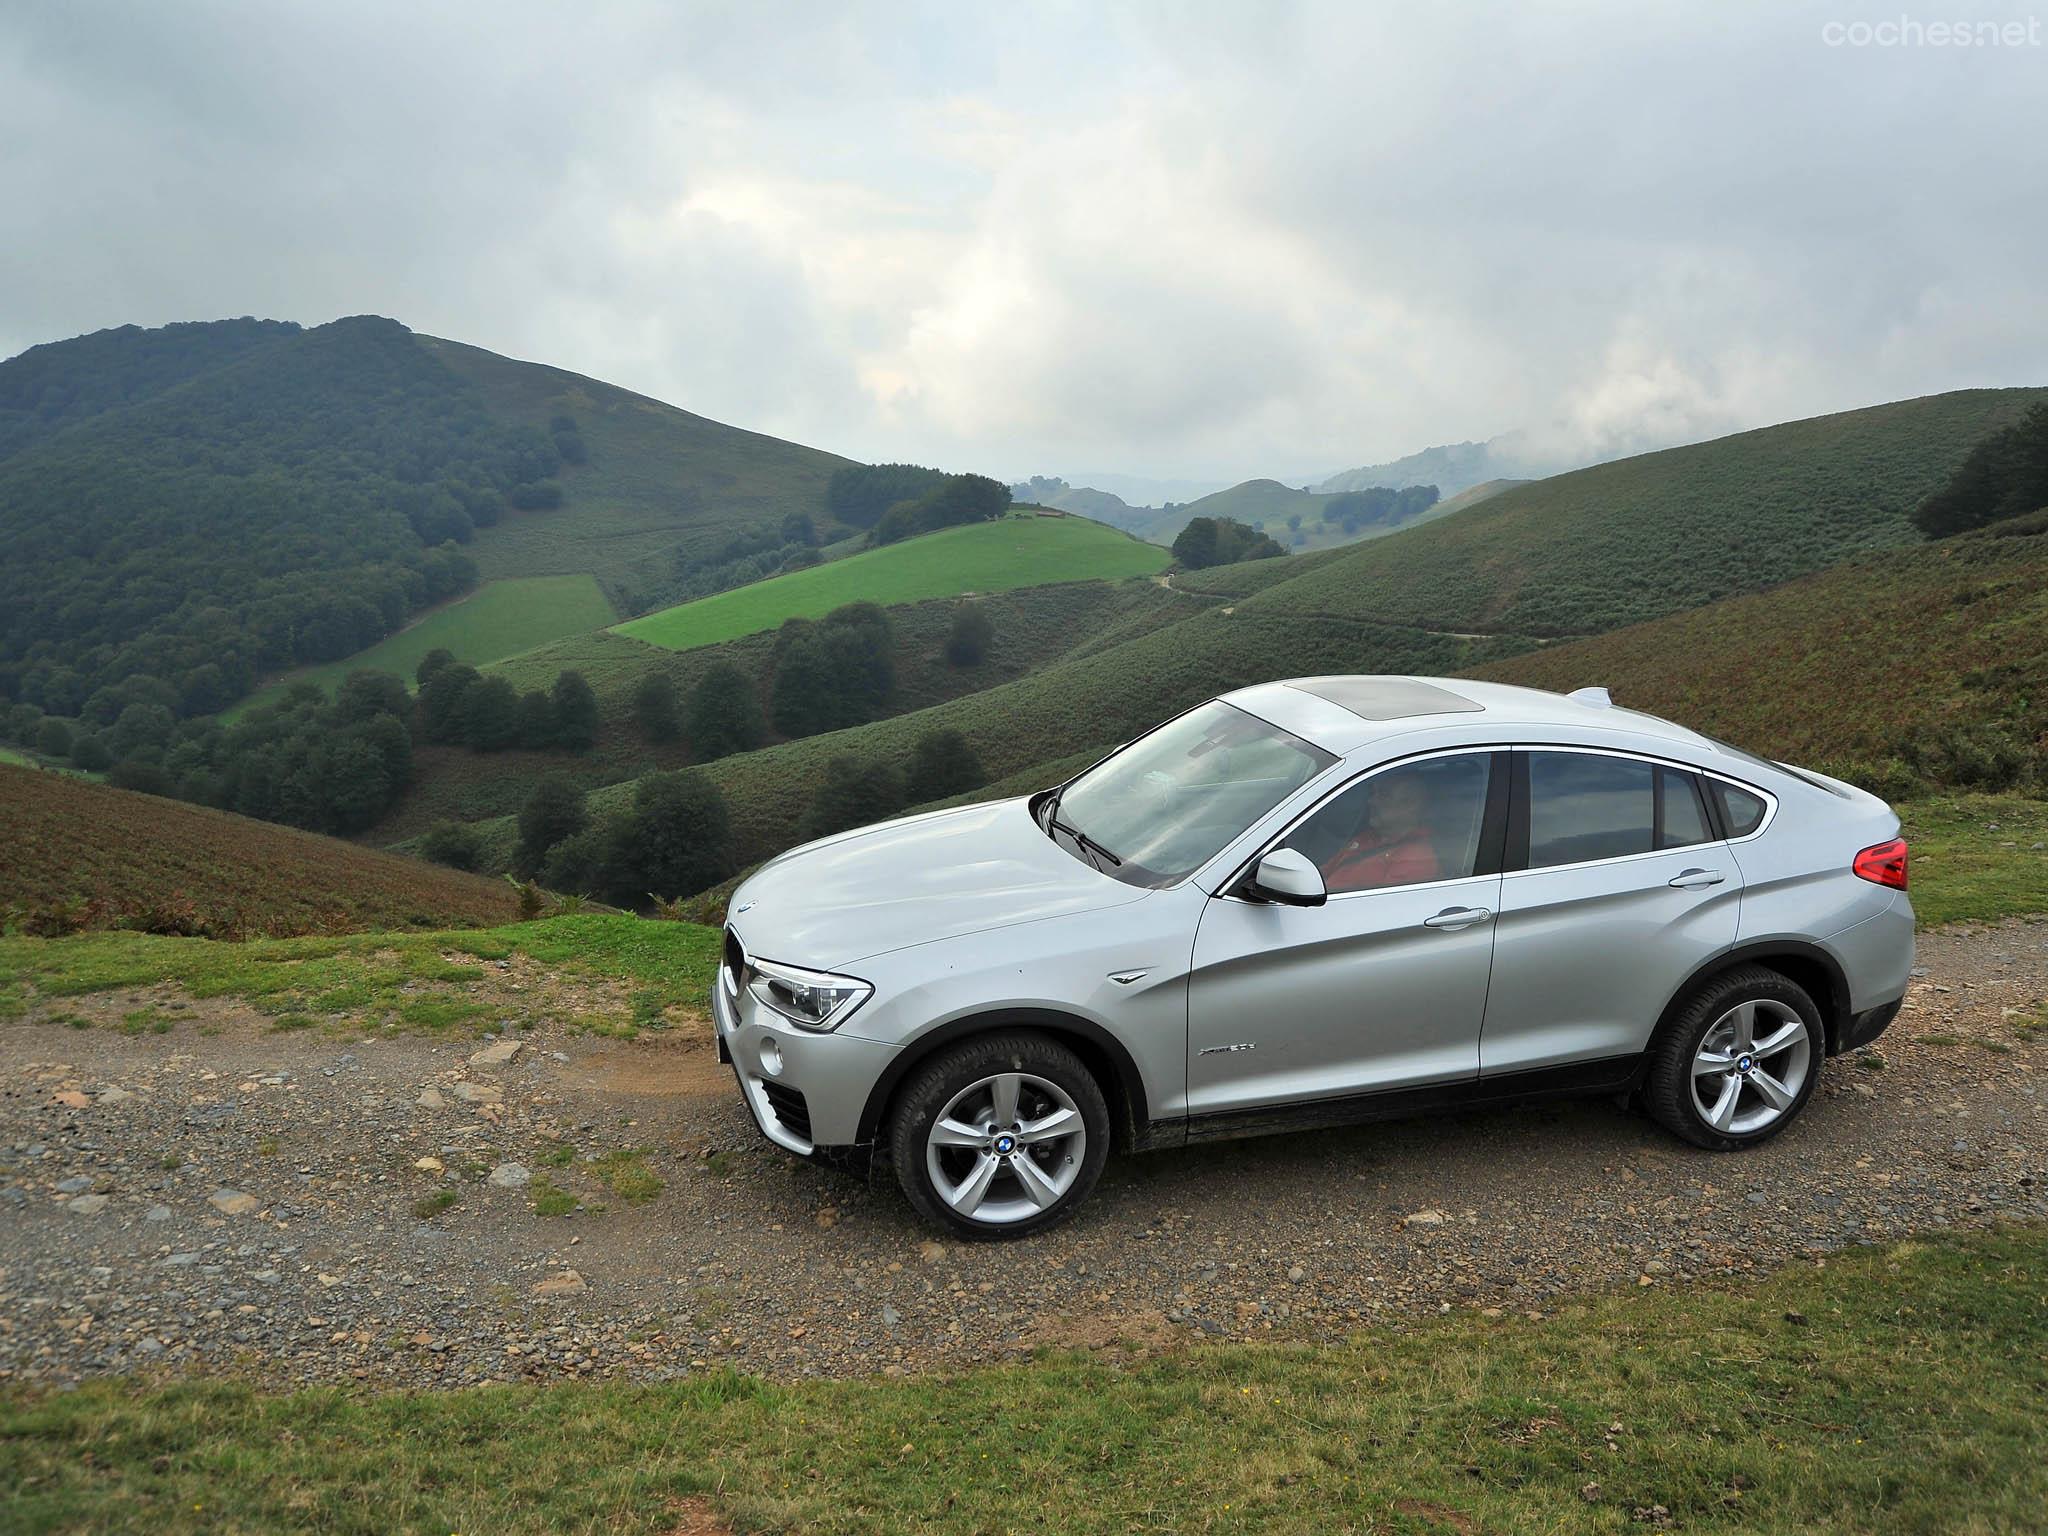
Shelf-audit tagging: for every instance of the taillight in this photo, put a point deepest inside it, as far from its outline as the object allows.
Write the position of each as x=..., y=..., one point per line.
x=1884, y=863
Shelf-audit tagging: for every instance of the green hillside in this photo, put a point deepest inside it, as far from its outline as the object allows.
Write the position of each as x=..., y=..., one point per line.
x=1263, y=504
x=188, y=512
x=1618, y=539
x=1923, y=662
x=1633, y=540
x=659, y=481
x=499, y=619
x=1033, y=628
x=1019, y=550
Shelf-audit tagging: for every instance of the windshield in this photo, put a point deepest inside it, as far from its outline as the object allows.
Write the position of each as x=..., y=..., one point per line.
x=1169, y=802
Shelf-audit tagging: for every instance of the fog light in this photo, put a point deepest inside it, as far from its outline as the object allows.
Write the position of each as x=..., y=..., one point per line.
x=771, y=1058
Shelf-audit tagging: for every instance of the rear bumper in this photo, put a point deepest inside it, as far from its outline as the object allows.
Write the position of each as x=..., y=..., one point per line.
x=1866, y=1026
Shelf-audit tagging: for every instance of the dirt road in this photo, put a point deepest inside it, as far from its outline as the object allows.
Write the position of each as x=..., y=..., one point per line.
x=212, y=1194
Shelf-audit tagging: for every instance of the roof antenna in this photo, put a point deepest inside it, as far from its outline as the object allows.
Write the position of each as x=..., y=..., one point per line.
x=1595, y=698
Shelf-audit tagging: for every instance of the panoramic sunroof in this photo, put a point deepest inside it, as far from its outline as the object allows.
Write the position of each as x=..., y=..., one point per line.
x=1387, y=698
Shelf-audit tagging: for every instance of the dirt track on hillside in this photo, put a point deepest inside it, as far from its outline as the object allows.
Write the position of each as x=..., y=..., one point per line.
x=123, y=1246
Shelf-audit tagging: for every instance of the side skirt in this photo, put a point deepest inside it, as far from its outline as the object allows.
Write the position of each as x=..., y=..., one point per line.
x=1611, y=1074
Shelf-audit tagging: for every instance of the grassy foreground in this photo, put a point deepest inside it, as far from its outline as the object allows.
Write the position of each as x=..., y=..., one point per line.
x=1020, y=550
x=1893, y=1390
x=391, y=980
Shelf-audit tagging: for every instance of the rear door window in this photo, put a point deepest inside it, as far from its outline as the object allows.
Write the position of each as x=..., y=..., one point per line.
x=1584, y=807
x=1681, y=814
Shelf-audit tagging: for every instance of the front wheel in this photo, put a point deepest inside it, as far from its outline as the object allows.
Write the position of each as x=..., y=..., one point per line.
x=1000, y=1136
x=1738, y=1061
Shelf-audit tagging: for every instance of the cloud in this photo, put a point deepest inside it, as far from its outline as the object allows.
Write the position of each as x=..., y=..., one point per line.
x=1181, y=239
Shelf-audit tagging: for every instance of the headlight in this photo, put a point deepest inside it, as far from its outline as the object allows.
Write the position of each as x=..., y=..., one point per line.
x=808, y=999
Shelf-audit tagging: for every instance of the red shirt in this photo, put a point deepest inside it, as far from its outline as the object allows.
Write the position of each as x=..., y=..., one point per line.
x=1372, y=860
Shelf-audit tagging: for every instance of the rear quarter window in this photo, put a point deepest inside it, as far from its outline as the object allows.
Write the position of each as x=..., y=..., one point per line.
x=1742, y=811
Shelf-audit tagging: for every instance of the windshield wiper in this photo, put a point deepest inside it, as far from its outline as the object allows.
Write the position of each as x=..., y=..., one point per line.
x=1081, y=839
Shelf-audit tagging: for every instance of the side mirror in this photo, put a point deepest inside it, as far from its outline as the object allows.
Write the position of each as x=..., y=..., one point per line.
x=1288, y=877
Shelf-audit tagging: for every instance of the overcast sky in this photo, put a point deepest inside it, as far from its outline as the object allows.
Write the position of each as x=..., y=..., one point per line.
x=1196, y=240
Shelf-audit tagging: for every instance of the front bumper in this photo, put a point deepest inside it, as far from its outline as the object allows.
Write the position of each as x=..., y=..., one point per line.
x=804, y=1090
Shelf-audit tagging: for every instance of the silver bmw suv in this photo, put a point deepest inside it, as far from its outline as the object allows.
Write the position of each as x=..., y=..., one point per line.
x=1311, y=903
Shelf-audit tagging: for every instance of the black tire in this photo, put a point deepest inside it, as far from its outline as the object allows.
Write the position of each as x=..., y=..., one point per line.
x=935, y=1084
x=1668, y=1090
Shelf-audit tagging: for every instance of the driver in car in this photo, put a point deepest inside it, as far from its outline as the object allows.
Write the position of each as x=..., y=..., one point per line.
x=1392, y=844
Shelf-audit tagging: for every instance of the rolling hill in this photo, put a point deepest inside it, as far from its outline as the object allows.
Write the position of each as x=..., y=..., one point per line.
x=189, y=511
x=1264, y=504
x=80, y=855
x=1019, y=550
x=1619, y=543
x=1929, y=661
x=1630, y=541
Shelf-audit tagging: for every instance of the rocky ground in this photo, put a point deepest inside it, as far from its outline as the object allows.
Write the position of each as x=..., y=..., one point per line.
x=184, y=1188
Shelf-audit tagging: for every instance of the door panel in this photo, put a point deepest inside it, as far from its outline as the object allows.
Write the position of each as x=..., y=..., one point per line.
x=1587, y=955
x=1292, y=1003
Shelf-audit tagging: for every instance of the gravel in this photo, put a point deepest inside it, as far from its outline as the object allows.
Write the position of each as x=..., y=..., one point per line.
x=303, y=1208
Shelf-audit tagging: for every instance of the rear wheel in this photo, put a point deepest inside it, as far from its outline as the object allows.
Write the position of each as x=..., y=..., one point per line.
x=1739, y=1060
x=1000, y=1136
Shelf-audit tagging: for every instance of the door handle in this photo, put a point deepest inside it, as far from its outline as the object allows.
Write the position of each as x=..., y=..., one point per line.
x=1458, y=917
x=1696, y=879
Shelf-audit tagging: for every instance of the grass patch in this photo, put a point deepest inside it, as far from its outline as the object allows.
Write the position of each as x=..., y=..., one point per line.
x=427, y=1207
x=1974, y=857
x=499, y=619
x=1897, y=1390
x=626, y=1174
x=400, y=973
x=146, y=1021
x=1021, y=550
x=549, y=1199
x=560, y=1156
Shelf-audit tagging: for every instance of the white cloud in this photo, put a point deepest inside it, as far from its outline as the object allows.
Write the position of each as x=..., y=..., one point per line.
x=1188, y=239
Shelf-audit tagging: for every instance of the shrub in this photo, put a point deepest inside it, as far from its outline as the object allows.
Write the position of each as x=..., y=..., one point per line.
x=942, y=764
x=972, y=634
x=655, y=709
x=53, y=738
x=576, y=712
x=852, y=794
x=455, y=844
x=91, y=753
x=552, y=812
x=725, y=717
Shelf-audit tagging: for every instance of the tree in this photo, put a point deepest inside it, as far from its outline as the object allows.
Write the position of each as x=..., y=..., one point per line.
x=838, y=672
x=853, y=794
x=955, y=500
x=364, y=695
x=553, y=811
x=680, y=840
x=942, y=764
x=582, y=863
x=142, y=728
x=456, y=844
x=91, y=753
x=972, y=634
x=1221, y=541
x=433, y=662
x=1195, y=545
x=355, y=787
x=53, y=738
x=725, y=716
x=536, y=720
x=576, y=713
x=443, y=697
x=2004, y=476
x=489, y=715
x=859, y=494
x=655, y=710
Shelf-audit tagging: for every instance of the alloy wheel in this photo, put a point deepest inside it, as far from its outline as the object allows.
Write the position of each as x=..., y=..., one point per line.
x=1751, y=1067
x=1006, y=1148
